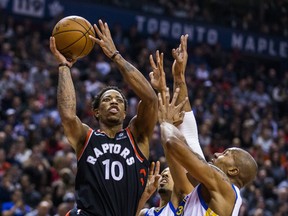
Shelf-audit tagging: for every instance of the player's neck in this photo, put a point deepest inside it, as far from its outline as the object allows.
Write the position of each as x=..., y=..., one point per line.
x=165, y=198
x=237, y=183
x=110, y=131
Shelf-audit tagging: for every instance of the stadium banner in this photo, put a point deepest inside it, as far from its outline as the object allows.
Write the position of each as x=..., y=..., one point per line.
x=31, y=8
x=169, y=28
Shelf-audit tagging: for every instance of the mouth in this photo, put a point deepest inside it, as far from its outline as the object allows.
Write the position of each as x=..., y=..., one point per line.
x=163, y=182
x=113, y=109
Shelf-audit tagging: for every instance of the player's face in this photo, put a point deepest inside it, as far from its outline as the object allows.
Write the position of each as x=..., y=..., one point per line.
x=166, y=182
x=111, y=108
x=224, y=160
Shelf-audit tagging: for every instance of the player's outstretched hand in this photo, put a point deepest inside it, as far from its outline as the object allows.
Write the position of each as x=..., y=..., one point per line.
x=157, y=75
x=153, y=178
x=168, y=111
x=58, y=56
x=180, y=56
x=104, y=39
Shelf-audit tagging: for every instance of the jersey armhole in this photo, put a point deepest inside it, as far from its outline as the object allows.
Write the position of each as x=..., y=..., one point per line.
x=136, y=149
x=88, y=135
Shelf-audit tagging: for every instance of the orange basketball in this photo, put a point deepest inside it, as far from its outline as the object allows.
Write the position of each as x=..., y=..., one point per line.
x=72, y=37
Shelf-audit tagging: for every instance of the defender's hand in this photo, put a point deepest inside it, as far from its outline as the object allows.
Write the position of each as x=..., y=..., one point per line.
x=169, y=112
x=181, y=56
x=157, y=76
x=153, y=178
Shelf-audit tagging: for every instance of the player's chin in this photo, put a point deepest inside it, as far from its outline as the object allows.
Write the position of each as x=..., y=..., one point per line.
x=162, y=190
x=115, y=119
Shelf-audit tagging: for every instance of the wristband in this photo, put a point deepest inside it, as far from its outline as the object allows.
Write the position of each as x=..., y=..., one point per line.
x=115, y=53
x=63, y=64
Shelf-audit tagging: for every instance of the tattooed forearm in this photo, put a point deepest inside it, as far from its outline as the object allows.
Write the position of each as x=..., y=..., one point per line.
x=137, y=81
x=66, y=93
x=64, y=72
x=199, y=157
x=67, y=102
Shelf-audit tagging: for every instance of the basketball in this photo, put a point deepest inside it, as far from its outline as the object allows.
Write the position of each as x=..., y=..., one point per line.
x=72, y=37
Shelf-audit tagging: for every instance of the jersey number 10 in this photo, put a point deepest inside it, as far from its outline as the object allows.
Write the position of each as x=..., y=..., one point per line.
x=114, y=170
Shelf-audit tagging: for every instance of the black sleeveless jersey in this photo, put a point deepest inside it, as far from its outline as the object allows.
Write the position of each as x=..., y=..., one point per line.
x=111, y=175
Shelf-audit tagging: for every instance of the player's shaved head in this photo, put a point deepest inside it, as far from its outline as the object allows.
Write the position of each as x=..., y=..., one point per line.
x=246, y=164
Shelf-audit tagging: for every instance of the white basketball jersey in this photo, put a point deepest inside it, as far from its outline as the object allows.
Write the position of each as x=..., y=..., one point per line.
x=196, y=206
x=167, y=210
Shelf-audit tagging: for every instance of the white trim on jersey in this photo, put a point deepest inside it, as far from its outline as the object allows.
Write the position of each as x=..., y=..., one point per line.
x=195, y=204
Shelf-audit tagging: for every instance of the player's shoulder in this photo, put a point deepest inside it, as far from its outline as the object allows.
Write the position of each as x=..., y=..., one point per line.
x=143, y=212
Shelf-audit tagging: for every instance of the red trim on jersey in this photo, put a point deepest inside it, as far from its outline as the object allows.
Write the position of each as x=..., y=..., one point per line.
x=133, y=144
x=68, y=213
x=88, y=135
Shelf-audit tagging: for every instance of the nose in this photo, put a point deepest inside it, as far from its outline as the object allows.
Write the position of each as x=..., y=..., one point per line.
x=164, y=175
x=114, y=101
x=216, y=155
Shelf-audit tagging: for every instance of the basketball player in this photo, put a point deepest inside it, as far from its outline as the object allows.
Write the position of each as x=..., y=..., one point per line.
x=172, y=197
x=112, y=161
x=218, y=190
x=202, y=206
x=164, y=189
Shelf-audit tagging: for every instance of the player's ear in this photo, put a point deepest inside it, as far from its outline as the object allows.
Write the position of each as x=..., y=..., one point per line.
x=96, y=113
x=233, y=171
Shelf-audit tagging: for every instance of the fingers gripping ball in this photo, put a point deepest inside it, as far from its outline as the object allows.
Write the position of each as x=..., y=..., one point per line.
x=72, y=37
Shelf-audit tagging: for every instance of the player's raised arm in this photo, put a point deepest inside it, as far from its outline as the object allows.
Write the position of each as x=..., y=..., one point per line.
x=189, y=125
x=157, y=75
x=142, y=125
x=74, y=130
x=169, y=111
x=157, y=78
x=180, y=56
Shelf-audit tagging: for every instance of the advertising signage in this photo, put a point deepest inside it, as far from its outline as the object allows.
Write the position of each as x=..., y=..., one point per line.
x=168, y=28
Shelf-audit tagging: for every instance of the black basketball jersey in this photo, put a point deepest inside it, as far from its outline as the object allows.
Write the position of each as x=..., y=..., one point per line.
x=111, y=175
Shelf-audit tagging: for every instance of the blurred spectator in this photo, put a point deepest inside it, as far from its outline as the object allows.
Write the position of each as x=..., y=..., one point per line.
x=22, y=151
x=4, y=165
x=265, y=139
x=31, y=196
x=63, y=185
x=43, y=209
x=6, y=188
x=17, y=206
x=259, y=96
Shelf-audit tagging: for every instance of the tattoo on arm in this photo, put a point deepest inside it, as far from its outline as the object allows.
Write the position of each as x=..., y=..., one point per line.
x=67, y=102
x=199, y=157
x=66, y=92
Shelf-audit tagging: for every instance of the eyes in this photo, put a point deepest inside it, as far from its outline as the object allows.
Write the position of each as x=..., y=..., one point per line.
x=165, y=173
x=108, y=99
x=225, y=152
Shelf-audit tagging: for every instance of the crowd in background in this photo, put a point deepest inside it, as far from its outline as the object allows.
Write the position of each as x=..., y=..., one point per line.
x=236, y=102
